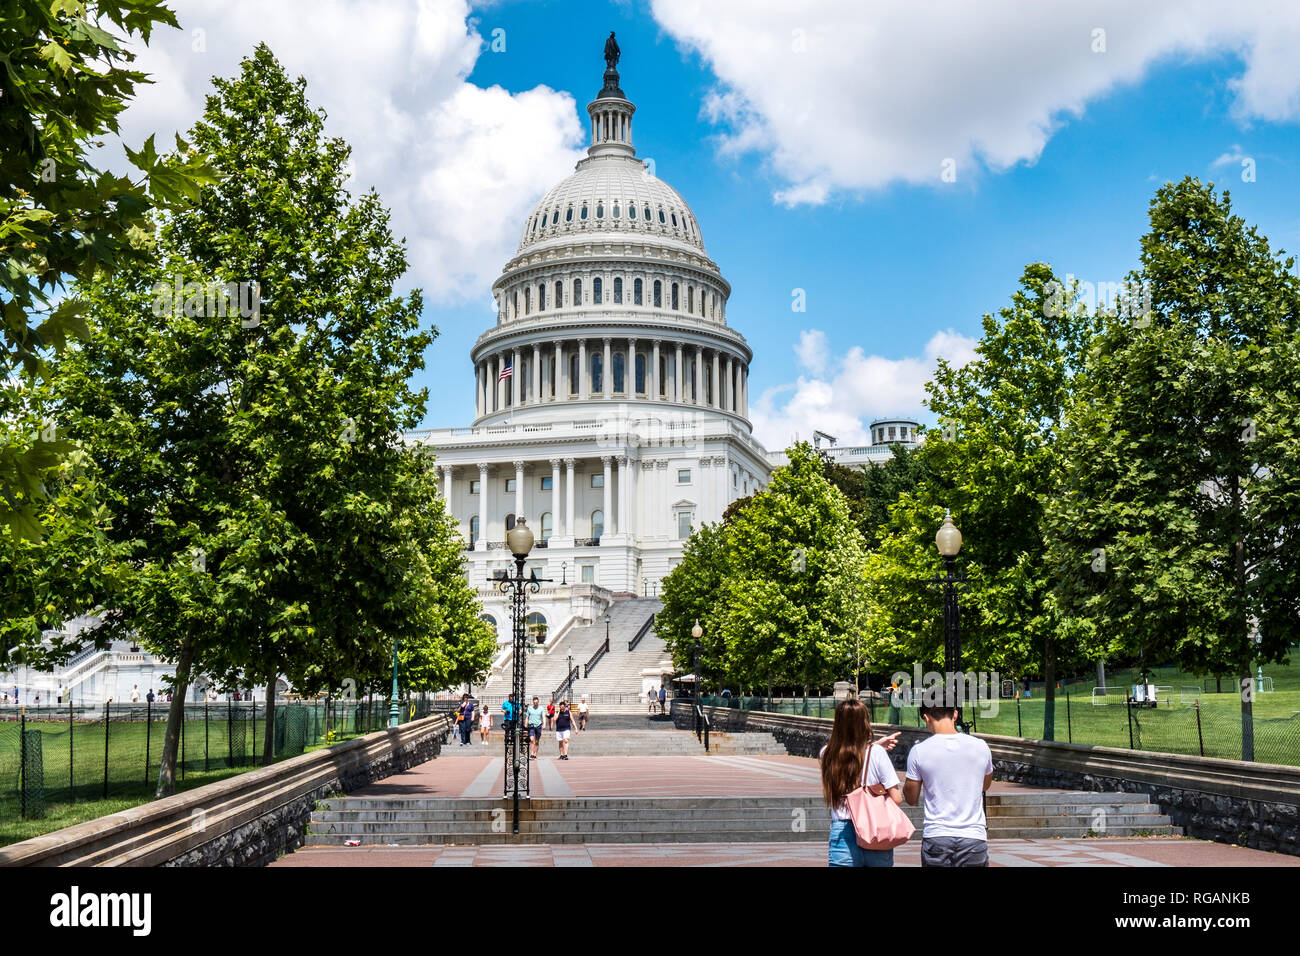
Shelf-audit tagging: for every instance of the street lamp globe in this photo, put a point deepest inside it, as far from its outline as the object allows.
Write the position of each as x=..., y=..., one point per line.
x=948, y=539
x=520, y=539
x=697, y=632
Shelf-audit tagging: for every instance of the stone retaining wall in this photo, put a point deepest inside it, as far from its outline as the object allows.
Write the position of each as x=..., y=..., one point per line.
x=246, y=820
x=1231, y=801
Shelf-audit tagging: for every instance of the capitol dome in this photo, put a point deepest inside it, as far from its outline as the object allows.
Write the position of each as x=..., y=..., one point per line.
x=610, y=300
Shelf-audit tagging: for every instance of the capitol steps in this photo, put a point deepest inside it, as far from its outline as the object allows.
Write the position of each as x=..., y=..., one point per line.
x=382, y=821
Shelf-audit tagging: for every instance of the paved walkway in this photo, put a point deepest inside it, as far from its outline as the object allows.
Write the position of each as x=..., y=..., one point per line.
x=478, y=773
x=1154, y=851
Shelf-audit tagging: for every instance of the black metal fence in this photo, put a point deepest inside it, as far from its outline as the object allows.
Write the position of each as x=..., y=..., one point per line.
x=1205, y=727
x=65, y=754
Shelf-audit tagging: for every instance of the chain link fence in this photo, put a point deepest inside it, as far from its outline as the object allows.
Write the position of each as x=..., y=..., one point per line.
x=1206, y=729
x=66, y=755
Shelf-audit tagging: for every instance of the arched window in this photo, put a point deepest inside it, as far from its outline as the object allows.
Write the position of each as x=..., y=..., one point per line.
x=619, y=368
x=636, y=291
x=631, y=211
x=597, y=363
x=618, y=291
x=659, y=294
x=546, y=525
x=514, y=310
x=647, y=213
x=640, y=373
x=690, y=298
x=568, y=214
x=597, y=291
x=528, y=301
x=535, y=626
x=674, y=220
x=583, y=214
x=577, y=292
x=473, y=531
x=675, y=305
x=510, y=522
x=559, y=295
x=541, y=297
x=555, y=216
x=597, y=524
x=616, y=211
x=661, y=216
x=600, y=210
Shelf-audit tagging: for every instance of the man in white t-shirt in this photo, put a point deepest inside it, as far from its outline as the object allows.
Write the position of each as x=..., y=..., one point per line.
x=953, y=770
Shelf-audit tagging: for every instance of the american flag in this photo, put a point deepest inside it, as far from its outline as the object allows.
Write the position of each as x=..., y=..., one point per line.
x=506, y=373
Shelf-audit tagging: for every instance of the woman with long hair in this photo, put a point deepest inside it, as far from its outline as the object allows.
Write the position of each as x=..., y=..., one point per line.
x=842, y=772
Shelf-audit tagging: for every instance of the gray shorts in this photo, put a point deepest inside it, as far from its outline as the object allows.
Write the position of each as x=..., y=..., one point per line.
x=954, y=851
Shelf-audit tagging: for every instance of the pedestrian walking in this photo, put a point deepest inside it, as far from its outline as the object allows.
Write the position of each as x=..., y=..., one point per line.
x=650, y=699
x=953, y=771
x=663, y=696
x=851, y=759
x=582, y=713
x=465, y=719
x=563, y=727
x=485, y=725
x=135, y=693
x=535, y=717
x=550, y=715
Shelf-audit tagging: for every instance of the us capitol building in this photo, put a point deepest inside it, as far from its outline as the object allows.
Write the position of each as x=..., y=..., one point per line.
x=611, y=397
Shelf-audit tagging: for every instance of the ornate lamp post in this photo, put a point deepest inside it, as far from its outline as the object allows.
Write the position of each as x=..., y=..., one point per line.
x=948, y=541
x=394, y=715
x=697, y=632
x=520, y=541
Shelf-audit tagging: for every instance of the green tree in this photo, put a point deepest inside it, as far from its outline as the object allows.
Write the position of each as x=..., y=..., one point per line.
x=873, y=489
x=995, y=463
x=691, y=592
x=244, y=394
x=63, y=222
x=791, y=597
x=1175, y=534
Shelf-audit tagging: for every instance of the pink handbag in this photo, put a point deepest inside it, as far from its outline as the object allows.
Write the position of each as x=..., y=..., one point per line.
x=880, y=823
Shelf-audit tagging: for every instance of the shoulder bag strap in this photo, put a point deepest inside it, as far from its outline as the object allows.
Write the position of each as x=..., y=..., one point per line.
x=866, y=760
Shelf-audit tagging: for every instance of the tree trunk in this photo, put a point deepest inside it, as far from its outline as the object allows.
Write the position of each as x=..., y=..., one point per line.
x=175, y=716
x=1101, y=673
x=1049, y=689
x=1244, y=686
x=268, y=746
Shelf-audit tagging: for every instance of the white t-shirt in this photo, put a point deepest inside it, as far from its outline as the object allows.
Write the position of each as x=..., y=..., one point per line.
x=879, y=770
x=951, y=769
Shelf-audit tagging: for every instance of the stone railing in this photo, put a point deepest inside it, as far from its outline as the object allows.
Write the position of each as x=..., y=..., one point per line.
x=245, y=820
x=1231, y=801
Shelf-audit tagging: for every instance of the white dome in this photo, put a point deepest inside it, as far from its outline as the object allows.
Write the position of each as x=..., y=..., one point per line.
x=616, y=194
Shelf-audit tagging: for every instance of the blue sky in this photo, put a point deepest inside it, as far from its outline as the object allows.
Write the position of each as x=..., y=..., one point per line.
x=807, y=137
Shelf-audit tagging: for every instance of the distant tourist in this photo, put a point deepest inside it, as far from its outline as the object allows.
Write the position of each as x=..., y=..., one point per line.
x=582, y=713
x=952, y=770
x=650, y=699
x=135, y=693
x=149, y=696
x=485, y=725
x=465, y=719
x=550, y=714
x=848, y=761
x=663, y=696
x=535, y=717
x=563, y=726
x=508, y=714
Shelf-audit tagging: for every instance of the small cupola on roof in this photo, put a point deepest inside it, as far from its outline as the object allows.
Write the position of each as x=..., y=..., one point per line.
x=610, y=111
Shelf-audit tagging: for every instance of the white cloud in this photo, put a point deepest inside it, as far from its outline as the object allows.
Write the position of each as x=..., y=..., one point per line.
x=811, y=350
x=860, y=387
x=846, y=95
x=459, y=166
x=1232, y=157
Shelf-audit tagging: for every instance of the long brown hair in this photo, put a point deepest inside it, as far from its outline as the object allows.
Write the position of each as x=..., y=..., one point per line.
x=842, y=761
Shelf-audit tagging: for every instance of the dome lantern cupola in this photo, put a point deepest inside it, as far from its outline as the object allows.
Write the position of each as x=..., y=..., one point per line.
x=610, y=112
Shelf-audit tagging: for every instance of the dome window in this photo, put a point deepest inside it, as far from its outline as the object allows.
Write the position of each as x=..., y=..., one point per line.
x=568, y=214
x=555, y=217
x=559, y=295
x=616, y=211
x=661, y=217
x=631, y=211
x=583, y=215
x=600, y=210
x=597, y=291
x=659, y=294
x=674, y=220
x=675, y=300
x=618, y=291
x=577, y=292
x=636, y=292
x=647, y=213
